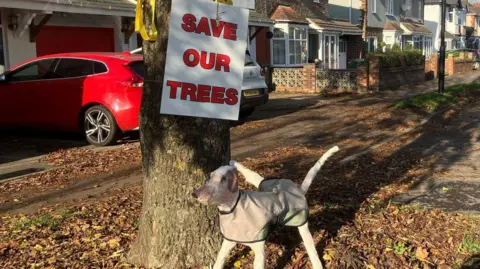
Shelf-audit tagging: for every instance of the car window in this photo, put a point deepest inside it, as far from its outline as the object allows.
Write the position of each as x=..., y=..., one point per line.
x=33, y=71
x=249, y=61
x=99, y=68
x=138, y=67
x=71, y=68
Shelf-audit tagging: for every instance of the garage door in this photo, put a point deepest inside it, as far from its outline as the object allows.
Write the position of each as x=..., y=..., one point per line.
x=60, y=39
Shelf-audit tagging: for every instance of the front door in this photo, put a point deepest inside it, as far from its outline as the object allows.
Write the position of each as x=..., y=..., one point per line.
x=330, y=52
x=342, y=54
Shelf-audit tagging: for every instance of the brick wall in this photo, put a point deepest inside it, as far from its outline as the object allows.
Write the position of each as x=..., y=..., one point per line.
x=461, y=65
x=470, y=21
x=378, y=78
x=431, y=67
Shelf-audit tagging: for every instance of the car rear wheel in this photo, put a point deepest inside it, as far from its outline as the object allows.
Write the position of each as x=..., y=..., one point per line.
x=100, y=127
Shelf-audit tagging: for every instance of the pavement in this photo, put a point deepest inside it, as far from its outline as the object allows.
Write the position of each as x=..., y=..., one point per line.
x=455, y=185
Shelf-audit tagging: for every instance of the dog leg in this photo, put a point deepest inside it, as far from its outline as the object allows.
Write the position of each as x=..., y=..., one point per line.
x=259, y=250
x=310, y=246
x=227, y=246
x=251, y=176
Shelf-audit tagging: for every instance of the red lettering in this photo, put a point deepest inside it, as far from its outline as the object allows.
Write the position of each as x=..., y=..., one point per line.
x=188, y=24
x=217, y=28
x=203, y=27
x=217, y=95
x=211, y=60
x=232, y=98
x=203, y=93
x=222, y=61
x=230, y=31
x=188, y=60
x=173, y=88
x=189, y=89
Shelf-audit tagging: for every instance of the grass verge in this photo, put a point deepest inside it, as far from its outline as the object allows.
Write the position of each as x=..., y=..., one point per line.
x=432, y=102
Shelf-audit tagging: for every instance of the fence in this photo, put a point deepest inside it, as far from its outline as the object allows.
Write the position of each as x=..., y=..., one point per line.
x=309, y=79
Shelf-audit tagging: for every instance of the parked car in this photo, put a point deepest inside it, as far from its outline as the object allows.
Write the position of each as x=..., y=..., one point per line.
x=254, y=87
x=98, y=93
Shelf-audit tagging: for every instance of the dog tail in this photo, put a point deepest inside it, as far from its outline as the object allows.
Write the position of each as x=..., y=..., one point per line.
x=314, y=170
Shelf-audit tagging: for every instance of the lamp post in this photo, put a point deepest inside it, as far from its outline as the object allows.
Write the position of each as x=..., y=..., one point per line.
x=441, y=64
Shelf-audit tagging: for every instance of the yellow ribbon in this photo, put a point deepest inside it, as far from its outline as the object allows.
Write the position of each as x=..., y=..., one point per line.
x=227, y=2
x=140, y=26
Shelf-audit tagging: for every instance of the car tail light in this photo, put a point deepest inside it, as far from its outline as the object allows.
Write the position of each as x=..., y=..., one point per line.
x=262, y=72
x=136, y=82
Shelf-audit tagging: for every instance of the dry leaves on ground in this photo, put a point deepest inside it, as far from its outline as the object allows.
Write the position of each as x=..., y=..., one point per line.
x=70, y=165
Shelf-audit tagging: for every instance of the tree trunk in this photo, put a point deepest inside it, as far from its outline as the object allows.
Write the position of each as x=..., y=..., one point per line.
x=178, y=153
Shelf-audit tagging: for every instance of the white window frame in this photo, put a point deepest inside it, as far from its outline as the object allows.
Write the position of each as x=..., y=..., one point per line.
x=295, y=40
x=285, y=28
x=375, y=43
x=427, y=46
x=282, y=28
x=316, y=1
x=450, y=12
x=374, y=6
x=390, y=7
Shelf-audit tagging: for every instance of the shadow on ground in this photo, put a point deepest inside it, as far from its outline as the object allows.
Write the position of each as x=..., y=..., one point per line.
x=340, y=190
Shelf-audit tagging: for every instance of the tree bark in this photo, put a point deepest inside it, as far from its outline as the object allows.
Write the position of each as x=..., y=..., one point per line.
x=178, y=153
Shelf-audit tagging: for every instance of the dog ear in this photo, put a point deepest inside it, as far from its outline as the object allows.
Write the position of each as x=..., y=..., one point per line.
x=232, y=180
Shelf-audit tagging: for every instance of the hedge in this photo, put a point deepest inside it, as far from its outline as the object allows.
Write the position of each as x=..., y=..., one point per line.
x=395, y=58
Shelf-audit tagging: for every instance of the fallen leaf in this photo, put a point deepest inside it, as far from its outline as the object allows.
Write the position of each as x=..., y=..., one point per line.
x=421, y=253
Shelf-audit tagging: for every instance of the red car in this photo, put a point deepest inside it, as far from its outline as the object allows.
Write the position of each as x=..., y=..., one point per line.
x=98, y=93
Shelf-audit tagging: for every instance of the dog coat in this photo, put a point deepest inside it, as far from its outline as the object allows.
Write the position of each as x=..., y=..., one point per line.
x=253, y=217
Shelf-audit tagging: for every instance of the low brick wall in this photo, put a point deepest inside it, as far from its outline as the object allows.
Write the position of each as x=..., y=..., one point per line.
x=460, y=65
x=391, y=78
x=377, y=78
x=431, y=67
x=310, y=79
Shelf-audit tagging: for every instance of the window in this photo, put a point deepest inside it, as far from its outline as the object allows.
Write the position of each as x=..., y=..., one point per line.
x=33, y=71
x=374, y=6
x=138, y=67
x=297, y=45
x=390, y=7
x=279, y=47
x=418, y=42
x=316, y=1
x=428, y=45
x=372, y=44
x=420, y=14
x=2, y=52
x=99, y=68
x=71, y=68
x=249, y=61
x=450, y=14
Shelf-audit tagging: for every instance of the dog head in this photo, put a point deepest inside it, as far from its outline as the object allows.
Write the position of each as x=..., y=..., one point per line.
x=221, y=187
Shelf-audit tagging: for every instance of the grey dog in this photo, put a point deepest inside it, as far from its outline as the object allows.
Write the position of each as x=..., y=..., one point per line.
x=248, y=217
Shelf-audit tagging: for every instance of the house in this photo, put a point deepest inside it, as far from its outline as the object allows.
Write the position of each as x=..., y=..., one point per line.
x=473, y=27
x=31, y=28
x=398, y=22
x=304, y=33
x=415, y=34
x=455, y=25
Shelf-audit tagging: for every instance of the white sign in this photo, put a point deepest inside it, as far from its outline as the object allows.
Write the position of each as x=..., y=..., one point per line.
x=250, y=4
x=205, y=60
